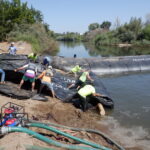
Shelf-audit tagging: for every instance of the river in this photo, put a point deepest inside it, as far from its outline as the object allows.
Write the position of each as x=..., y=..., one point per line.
x=130, y=118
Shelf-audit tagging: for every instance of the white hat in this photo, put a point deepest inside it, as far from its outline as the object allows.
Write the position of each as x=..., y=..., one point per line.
x=49, y=67
x=12, y=43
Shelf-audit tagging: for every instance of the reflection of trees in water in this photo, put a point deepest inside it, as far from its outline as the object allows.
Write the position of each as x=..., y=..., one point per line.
x=71, y=44
x=115, y=51
x=92, y=50
x=51, y=53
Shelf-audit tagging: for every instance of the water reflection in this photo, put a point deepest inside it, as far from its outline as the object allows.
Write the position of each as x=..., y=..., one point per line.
x=123, y=51
x=67, y=49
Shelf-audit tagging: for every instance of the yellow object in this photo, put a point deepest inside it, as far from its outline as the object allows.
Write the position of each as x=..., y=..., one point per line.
x=77, y=68
x=44, y=77
x=32, y=56
x=86, y=90
x=83, y=76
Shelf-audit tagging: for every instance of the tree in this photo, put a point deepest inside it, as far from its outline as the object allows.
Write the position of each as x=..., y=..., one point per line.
x=93, y=26
x=14, y=12
x=105, y=25
x=147, y=19
x=117, y=23
x=146, y=32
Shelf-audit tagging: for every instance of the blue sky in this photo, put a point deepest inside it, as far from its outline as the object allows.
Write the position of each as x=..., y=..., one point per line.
x=76, y=15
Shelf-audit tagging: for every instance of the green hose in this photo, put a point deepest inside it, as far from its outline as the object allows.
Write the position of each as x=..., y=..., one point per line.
x=45, y=139
x=40, y=125
x=87, y=130
x=32, y=147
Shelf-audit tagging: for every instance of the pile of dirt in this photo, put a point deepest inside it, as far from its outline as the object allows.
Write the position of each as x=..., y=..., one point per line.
x=22, y=47
x=53, y=111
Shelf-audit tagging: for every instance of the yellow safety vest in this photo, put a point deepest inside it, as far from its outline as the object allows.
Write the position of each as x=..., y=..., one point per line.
x=76, y=69
x=86, y=90
x=83, y=76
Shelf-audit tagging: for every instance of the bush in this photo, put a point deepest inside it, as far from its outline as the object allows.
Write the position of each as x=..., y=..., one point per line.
x=36, y=35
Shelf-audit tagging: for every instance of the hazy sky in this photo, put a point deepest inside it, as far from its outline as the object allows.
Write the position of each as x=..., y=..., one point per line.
x=76, y=15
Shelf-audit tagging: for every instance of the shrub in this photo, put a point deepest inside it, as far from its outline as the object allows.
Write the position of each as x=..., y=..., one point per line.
x=36, y=35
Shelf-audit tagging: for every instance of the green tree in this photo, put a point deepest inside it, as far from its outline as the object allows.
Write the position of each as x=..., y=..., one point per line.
x=93, y=26
x=146, y=32
x=14, y=12
x=105, y=25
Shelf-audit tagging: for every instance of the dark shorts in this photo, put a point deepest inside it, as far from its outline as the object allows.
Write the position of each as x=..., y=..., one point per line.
x=79, y=83
x=80, y=102
x=25, y=78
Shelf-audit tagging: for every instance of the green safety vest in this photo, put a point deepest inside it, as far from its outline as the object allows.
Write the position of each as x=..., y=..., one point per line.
x=31, y=56
x=83, y=76
x=86, y=90
x=76, y=69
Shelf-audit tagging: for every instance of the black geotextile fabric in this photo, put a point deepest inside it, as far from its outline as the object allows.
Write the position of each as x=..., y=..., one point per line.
x=105, y=66
x=60, y=81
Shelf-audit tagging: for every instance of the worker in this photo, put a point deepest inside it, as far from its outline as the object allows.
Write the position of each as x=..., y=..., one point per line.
x=45, y=77
x=83, y=94
x=33, y=56
x=12, y=49
x=82, y=80
x=30, y=74
x=2, y=72
x=75, y=70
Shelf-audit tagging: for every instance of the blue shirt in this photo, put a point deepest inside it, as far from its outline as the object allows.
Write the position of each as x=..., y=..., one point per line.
x=12, y=50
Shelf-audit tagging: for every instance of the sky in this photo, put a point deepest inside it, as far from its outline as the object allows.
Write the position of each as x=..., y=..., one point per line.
x=76, y=15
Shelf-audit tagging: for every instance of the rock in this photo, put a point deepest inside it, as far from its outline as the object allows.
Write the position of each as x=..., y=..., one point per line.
x=39, y=97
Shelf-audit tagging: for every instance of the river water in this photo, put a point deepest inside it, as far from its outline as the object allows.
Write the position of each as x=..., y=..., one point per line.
x=130, y=119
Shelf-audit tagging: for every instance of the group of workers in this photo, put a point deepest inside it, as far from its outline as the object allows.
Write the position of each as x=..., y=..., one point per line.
x=31, y=72
x=84, y=89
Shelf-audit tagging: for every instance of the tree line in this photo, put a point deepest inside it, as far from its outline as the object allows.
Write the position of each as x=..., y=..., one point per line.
x=19, y=22
x=135, y=32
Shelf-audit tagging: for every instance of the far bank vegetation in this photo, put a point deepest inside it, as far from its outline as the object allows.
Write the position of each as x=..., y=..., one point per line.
x=134, y=33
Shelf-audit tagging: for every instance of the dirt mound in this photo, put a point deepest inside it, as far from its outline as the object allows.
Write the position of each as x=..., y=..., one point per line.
x=22, y=47
x=56, y=112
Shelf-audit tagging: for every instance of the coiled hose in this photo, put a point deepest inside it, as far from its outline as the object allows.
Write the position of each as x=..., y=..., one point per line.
x=42, y=138
x=111, y=141
x=41, y=125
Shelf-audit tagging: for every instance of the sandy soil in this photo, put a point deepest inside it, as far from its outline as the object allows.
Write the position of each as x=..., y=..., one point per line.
x=51, y=111
x=22, y=47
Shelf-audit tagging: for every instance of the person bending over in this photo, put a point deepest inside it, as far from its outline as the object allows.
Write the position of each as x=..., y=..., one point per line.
x=33, y=57
x=29, y=74
x=82, y=80
x=76, y=69
x=83, y=94
x=46, y=61
x=45, y=77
